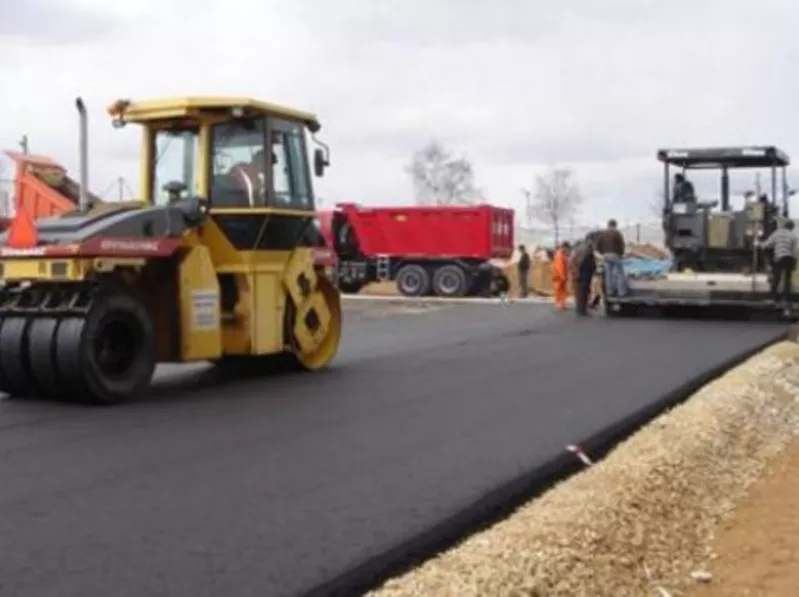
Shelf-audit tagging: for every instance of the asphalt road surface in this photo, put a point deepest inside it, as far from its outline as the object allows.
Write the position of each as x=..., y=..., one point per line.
x=258, y=488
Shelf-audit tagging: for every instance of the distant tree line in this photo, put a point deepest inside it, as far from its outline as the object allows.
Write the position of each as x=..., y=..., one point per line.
x=439, y=177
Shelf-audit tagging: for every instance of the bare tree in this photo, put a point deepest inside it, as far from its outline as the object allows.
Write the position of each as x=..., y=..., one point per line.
x=656, y=205
x=555, y=199
x=441, y=179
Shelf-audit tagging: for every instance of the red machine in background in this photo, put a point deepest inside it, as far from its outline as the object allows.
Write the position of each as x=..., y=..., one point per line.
x=441, y=250
x=36, y=184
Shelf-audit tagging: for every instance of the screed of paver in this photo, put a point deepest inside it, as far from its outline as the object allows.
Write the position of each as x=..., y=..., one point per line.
x=641, y=522
x=757, y=548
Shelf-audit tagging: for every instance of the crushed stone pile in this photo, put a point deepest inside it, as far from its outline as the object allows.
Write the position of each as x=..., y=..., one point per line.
x=640, y=522
x=646, y=251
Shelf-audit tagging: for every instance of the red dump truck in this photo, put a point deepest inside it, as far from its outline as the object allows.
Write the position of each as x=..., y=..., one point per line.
x=438, y=250
x=36, y=184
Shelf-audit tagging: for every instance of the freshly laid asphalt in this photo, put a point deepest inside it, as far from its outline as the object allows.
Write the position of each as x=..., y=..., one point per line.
x=271, y=487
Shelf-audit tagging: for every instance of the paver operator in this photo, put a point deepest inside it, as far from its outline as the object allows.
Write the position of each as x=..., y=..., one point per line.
x=683, y=191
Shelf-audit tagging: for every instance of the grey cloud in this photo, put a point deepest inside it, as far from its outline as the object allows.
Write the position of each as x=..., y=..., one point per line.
x=447, y=22
x=52, y=22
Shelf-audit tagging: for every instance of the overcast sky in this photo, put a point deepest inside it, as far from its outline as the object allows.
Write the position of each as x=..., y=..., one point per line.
x=514, y=85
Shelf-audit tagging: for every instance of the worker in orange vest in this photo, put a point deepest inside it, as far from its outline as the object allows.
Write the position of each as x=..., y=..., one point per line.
x=560, y=275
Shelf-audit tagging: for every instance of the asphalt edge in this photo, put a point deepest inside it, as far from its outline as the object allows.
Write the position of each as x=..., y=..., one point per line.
x=504, y=500
x=434, y=300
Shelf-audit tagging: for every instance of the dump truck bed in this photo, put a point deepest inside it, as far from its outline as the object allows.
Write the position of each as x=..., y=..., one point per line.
x=475, y=232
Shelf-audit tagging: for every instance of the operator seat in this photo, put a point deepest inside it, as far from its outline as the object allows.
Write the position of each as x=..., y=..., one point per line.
x=230, y=189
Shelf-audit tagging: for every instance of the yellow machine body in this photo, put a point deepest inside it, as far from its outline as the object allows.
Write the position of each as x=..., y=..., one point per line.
x=240, y=281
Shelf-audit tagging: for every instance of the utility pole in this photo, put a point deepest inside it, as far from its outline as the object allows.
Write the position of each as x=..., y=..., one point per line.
x=528, y=208
x=121, y=182
x=23, y=143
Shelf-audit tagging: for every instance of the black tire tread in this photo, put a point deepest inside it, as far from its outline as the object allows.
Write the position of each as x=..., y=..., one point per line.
x=412, y=267
x=463, y=282
x=41, y=356
x=17, y=380
x=73, y=353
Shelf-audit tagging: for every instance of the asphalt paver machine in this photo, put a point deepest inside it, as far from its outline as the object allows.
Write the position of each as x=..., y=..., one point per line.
x=717, y=266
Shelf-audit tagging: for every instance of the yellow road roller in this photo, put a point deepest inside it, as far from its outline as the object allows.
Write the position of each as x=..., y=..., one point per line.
x=214, y=263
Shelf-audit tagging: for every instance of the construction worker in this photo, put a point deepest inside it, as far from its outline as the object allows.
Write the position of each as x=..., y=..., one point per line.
x=583, y=267
x=524, y=272
x=560, y=275
x=251, y=177
x=596, y=282
x=782, y=242
x=612, y=247
x=683, y=191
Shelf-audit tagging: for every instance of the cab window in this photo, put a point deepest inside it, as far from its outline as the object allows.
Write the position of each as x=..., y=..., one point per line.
x=289, y=168
x=175, y=152
x=238, y=169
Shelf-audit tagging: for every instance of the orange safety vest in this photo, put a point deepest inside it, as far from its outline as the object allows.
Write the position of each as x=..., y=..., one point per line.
x=560, y=266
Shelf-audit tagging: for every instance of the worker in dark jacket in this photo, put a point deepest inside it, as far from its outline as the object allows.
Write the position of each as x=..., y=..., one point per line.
x=524, y=271
x=683, y=191
x=583, y=268
x=782, y=243
x=612, y=248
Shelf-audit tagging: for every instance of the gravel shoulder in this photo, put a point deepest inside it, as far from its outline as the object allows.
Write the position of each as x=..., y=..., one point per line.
x=757, y=547
x=642, y=521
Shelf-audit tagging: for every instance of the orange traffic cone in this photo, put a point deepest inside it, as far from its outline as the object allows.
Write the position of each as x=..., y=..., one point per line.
x=22, y=232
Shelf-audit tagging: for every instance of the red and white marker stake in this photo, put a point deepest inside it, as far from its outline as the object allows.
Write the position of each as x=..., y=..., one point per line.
x=578, y=451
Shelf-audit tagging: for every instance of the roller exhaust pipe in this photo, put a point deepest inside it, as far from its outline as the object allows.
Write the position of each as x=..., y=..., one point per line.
x=83, y=200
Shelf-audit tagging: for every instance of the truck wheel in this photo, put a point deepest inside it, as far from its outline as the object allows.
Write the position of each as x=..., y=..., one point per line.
x=450, y=281
x=108, y=356
x=413, y=280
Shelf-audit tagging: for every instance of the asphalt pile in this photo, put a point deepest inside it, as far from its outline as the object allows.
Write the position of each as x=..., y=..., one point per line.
x=640, y=522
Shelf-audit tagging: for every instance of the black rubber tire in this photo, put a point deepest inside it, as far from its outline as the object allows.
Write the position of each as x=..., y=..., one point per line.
x=413, y=280
x=42, y=357
x=76, y=357
x=450, y=281
x=16, y=379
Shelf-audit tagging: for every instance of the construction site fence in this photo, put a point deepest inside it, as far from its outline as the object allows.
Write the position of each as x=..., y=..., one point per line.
x=638, y=232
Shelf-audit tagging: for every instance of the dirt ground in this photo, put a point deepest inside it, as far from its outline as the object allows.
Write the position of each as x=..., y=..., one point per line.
x=381, y=288
x=758, y=548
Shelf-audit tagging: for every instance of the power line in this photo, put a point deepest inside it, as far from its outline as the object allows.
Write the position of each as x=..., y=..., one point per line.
x=120, y=185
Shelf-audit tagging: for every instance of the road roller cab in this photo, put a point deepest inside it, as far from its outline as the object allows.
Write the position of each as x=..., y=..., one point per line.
x=214, y=263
